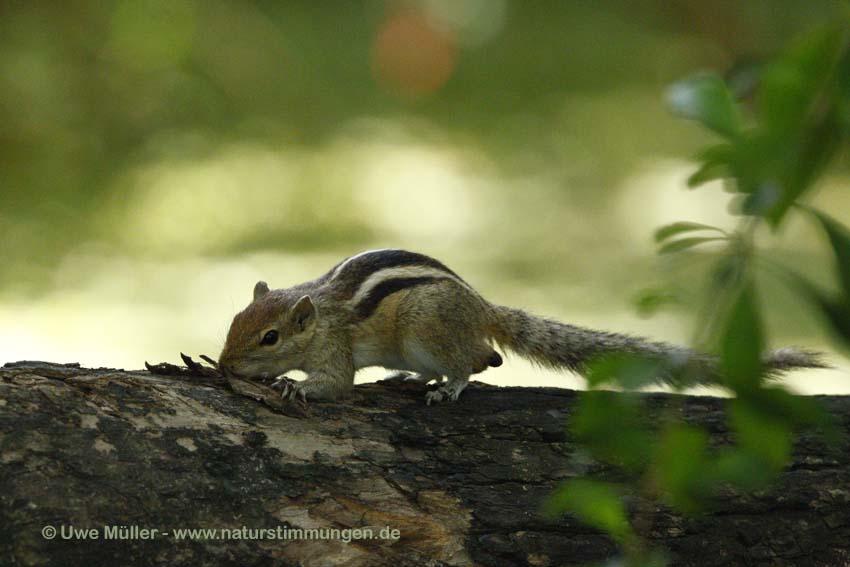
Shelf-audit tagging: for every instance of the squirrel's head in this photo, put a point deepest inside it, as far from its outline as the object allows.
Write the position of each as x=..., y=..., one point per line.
x=270, y=336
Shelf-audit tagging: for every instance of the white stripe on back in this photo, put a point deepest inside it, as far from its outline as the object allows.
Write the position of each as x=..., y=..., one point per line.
x=347, y=260
x=395, y=273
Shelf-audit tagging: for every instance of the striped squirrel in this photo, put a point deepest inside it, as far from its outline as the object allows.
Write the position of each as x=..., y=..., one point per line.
x=409, y=312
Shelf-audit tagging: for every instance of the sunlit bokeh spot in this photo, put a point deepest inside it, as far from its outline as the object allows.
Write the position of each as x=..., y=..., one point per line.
x=419, y=193
x=656, y=194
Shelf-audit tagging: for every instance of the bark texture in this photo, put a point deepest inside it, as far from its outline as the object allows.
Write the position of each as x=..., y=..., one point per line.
x=461, y=482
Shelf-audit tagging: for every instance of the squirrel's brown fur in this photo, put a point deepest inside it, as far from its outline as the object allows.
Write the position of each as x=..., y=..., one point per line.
x=409, y=312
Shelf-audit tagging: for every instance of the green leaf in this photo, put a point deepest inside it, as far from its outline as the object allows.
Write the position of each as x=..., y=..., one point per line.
x=716, y=162
x=762, y=200
x=756, y=161
x=835, y=311
x=814, y=149
x=675, y=228
x=839, y=239
x=791, y=83
x=679, y=465
x=630, y=371
x=649, y=301
x=740, y=467
x=761, y=432
x=764, y=443
x=613, y=427
x=796, y=411
x=802, y=97
x=705, y=98
x=785, y=94
x=730, y=271
x=597, y=504
x=708, y=171
x=685, y=243
x=742, y=343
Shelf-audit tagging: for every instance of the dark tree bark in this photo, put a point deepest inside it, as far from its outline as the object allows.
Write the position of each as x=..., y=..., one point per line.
x=462, y=483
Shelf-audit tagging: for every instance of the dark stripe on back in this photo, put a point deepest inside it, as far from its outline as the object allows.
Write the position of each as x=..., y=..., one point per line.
x=358, y=270
x=370, y=303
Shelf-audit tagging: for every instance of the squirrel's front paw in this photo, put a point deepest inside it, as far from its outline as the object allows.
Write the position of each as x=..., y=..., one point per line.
x=290, y=389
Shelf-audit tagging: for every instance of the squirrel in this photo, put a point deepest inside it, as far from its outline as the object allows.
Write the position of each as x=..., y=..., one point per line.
x=409, y=312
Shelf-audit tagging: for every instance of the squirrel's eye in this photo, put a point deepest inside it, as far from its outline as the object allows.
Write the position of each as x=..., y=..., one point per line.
x=269, y=338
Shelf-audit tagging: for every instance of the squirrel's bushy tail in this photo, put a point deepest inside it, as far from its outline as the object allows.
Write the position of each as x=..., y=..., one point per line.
x=558, y=345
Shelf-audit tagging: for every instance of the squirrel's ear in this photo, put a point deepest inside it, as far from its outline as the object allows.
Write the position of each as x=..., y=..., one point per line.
x=260, y=290
x=303, y=315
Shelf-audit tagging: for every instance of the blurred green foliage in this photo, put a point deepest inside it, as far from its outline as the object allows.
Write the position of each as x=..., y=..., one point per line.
x=595, y=503
x=772, y=154
x=614, y=426
x=89, y=91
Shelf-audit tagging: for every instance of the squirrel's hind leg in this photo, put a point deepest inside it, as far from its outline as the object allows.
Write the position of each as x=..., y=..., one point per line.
x=450, y=392
x=454, y=361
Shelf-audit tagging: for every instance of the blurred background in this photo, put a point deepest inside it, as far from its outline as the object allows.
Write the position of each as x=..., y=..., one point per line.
x=158, y=157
